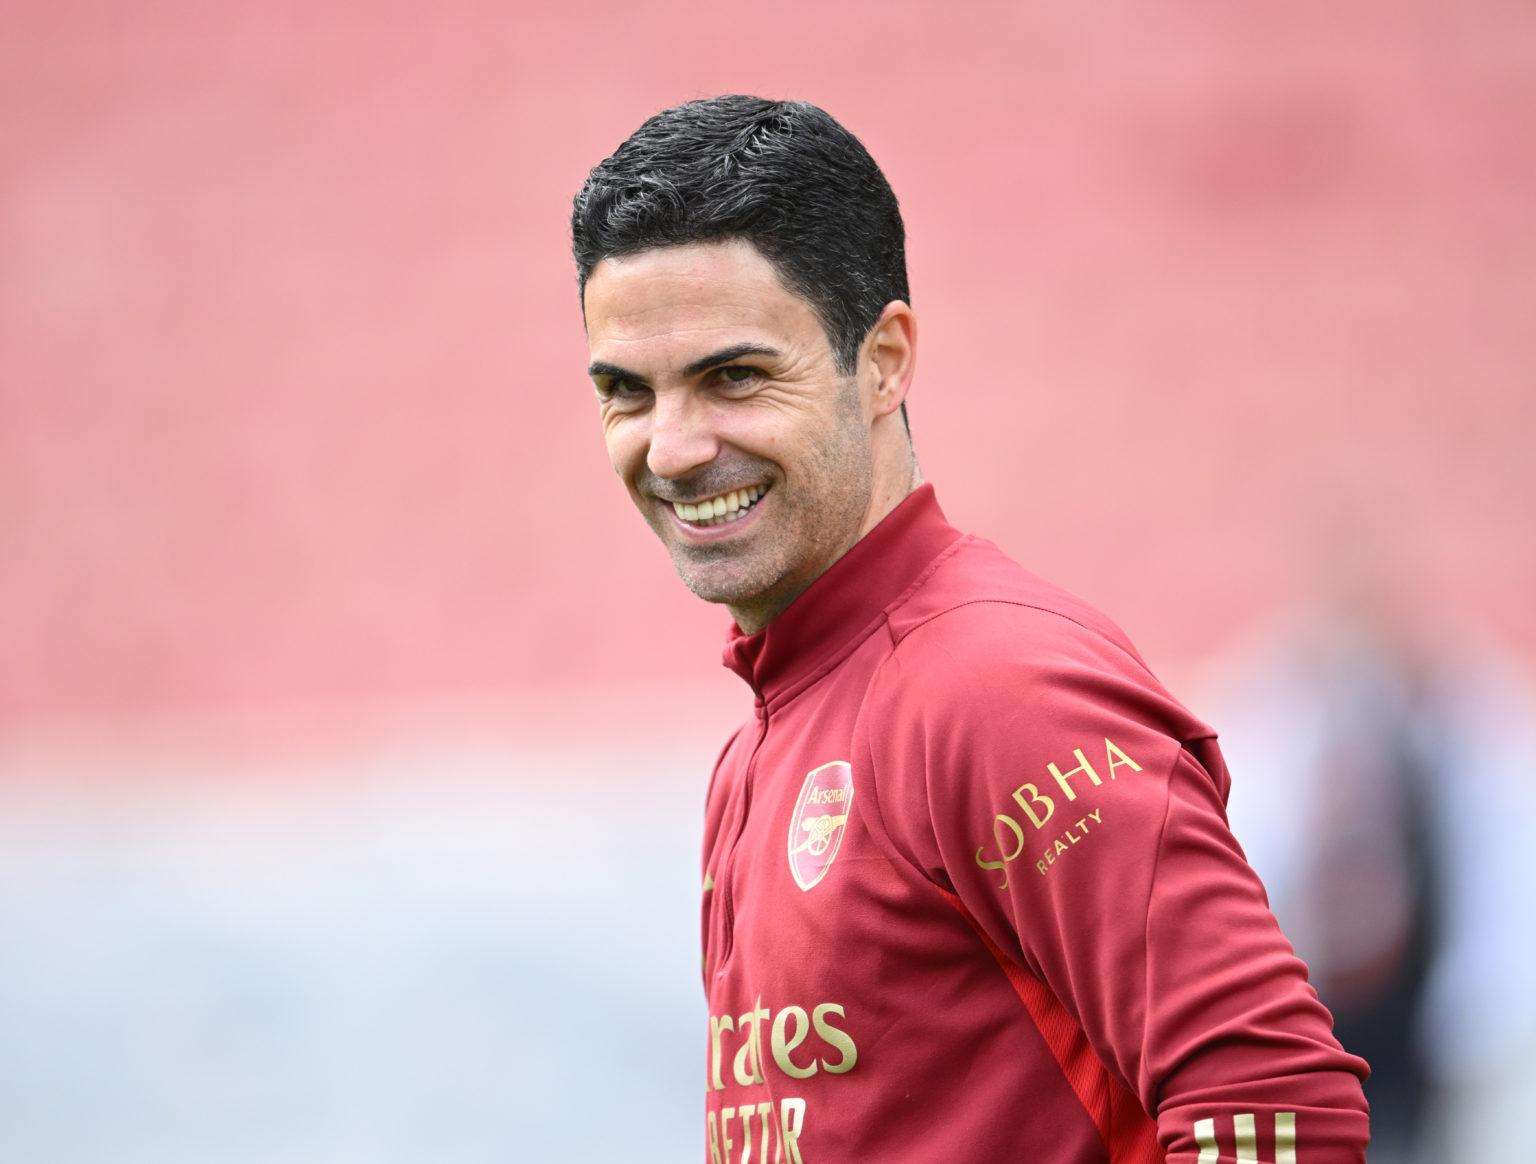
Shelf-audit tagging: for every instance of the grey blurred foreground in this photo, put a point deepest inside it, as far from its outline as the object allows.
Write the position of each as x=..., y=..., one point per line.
x=450, y=957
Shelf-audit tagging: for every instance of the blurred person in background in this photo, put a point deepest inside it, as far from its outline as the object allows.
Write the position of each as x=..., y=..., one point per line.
x=1388, y=765
x=968, y=886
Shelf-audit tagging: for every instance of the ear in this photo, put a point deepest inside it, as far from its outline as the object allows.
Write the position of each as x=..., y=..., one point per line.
x=888, y=358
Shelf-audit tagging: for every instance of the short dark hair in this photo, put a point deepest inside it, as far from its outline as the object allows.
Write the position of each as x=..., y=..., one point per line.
x=781, y=175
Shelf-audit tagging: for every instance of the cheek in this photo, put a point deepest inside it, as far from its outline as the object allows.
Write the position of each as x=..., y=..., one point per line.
x=626, y=447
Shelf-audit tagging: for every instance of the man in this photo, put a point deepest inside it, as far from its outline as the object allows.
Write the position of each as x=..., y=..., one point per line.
x=969, y=891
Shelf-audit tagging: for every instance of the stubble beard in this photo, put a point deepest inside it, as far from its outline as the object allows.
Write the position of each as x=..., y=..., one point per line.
x=801, y=537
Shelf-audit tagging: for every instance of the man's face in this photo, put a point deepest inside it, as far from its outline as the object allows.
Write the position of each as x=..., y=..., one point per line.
x=745, y=449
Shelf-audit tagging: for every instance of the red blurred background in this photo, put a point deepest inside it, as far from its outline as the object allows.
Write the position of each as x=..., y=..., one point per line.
x=292, y=412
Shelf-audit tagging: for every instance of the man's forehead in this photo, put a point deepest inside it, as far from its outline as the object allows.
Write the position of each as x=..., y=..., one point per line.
x=708, y=267
x=671, y=301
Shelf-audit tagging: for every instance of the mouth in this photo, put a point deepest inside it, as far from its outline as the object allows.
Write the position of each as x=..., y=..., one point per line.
x=720, y=510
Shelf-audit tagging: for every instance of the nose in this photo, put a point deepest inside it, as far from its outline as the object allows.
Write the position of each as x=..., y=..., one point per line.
x=683, y=438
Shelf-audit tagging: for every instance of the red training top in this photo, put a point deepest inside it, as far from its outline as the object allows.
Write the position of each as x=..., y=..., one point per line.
x=970, y=893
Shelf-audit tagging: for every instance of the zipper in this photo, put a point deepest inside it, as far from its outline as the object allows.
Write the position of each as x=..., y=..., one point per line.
x=724, y=875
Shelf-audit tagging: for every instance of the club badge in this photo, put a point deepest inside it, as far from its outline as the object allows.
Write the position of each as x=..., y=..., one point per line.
x=819, y=821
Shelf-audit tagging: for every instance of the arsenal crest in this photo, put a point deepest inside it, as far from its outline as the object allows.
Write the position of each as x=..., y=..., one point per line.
x=820, y=818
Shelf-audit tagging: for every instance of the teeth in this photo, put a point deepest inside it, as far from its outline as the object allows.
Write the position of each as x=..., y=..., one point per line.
x=717, y=510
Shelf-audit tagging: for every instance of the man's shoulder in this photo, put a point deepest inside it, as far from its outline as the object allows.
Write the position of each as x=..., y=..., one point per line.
x=984, y=645
x=980, y=608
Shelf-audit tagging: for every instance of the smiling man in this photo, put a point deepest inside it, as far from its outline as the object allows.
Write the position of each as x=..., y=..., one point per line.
x=969, y=890
x=755, y=458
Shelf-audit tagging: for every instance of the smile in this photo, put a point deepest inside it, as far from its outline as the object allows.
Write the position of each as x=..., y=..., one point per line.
x=727, y=507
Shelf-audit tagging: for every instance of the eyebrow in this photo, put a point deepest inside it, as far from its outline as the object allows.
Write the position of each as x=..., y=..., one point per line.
x=702, y=364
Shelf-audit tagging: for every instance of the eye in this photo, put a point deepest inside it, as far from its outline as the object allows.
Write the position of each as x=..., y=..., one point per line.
x=620, y=391
x=737, y=374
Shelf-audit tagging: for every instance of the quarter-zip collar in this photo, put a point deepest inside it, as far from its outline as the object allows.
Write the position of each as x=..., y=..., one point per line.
x=842, y=607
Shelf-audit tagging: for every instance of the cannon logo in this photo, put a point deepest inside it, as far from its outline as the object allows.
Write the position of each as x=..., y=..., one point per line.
x=819, y=821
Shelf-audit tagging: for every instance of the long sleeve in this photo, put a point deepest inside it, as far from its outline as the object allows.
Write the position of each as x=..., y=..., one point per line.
x=1038, y=775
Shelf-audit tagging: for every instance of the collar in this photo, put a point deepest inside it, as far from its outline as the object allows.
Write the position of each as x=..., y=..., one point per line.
x=842, y=607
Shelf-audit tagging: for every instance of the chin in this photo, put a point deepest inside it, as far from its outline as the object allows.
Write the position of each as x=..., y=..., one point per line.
x=719, y=592
x=726, y=587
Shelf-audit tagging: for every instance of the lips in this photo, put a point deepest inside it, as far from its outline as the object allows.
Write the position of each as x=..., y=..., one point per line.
x=719, y=510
